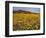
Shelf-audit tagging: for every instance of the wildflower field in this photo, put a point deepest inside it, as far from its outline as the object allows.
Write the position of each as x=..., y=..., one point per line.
x=26, y=21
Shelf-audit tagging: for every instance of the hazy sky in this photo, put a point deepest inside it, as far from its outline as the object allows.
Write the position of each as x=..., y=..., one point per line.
x=32, y=9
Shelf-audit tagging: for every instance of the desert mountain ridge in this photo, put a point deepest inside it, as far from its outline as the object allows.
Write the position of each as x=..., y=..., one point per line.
x=22, y=11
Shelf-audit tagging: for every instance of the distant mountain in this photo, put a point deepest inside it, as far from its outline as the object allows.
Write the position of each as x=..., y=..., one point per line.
x=21, y=11
x=24, y=12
